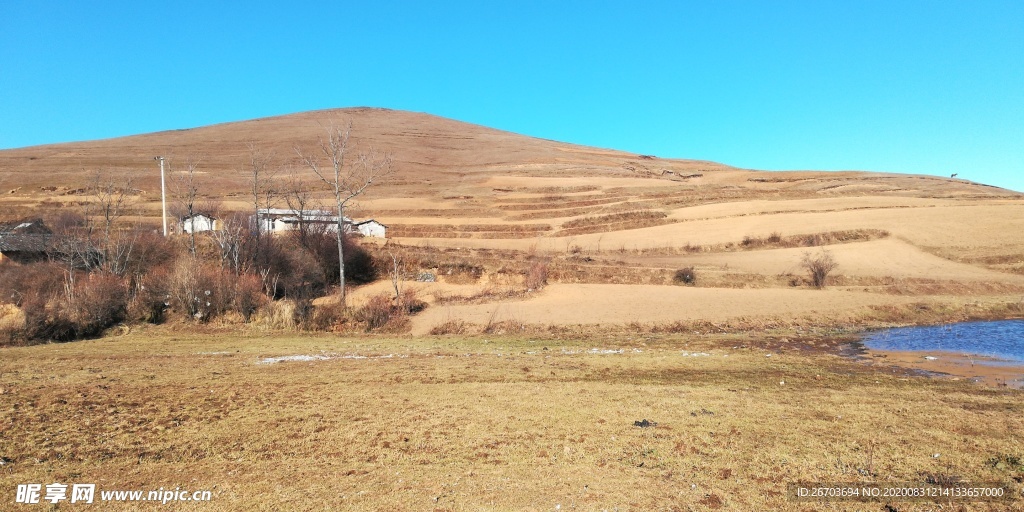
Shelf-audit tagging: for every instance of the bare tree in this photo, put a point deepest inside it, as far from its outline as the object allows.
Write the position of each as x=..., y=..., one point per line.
x=345, y=180
x=397, y=272
x=186, y=190
x=112, y=201
x=230, y=239
x=300, y=198
x=261, y=186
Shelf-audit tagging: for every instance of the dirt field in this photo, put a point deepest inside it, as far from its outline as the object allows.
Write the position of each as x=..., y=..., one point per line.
x=491, y=423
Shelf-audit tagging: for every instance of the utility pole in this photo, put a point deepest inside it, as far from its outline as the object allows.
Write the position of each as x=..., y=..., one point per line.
x=163, y=192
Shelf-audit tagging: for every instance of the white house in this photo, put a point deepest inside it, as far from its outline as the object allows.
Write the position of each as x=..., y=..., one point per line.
x=197, y=223
x=276, y=220
x=371, y=228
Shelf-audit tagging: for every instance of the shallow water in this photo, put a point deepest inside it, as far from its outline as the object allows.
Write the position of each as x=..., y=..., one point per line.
x=1002, y=340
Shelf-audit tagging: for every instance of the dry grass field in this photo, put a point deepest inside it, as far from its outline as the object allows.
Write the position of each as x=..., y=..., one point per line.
x=493, y=423
x=555, y=320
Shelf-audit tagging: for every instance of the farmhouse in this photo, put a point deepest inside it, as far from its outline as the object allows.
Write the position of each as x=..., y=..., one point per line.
x=25, y=241
x=197, y=223
x=276, y=220
x=24, y=248
x=371, y=228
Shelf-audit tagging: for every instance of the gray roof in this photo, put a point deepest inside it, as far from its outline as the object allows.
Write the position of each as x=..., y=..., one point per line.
x=24, y=227
x=24, y=243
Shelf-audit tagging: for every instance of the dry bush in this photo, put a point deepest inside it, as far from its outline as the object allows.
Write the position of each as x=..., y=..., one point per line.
x=152, y=296
x=509, y=326
x=325, y=317
x=35, y=289
x=408, y=301
x=278, y=314
x=615, y=218
x=378, y=312
x=451, y=326
x=248, y=296
x=387, y=312
x=12, y=323
x=819, y=267
x=685, y=275
x=536, y=276
x=201, y=291
x=186, y=288
x=149, y=251
x=100, y=301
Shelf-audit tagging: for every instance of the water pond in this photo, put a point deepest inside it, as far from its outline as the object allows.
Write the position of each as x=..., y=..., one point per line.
x=1001, y=340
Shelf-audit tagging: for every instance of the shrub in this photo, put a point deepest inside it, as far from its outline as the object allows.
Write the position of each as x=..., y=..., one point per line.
x=248, y=296
x=387, y=312
x=186, y=289
x=35, y=289
x=819, y=267
x=12, y=323
x=278, y=314
x=152, y=296
x=100, y=301
x=685, y=275
x=536, y=276
x=325, y=317
x=452, y=326
x=378, y=312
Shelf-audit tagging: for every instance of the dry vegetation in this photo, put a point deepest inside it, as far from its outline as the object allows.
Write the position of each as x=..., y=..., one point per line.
x=458, y=423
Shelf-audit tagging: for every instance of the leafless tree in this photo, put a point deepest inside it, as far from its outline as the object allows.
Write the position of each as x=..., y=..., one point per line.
x=230, y=239
x=186, y=192
x=299, y=196
x=345, y=180
x=261, y=186
x=397, y=271
x=112, y=201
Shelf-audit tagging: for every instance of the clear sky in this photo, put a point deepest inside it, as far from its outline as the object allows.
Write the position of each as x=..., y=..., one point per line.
x=932, y=87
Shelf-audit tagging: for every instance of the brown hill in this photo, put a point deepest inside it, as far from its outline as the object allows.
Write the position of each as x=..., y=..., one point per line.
x=614, y=225
x=425, y=147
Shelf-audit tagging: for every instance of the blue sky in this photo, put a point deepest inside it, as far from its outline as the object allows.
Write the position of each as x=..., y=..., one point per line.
x=918, y=87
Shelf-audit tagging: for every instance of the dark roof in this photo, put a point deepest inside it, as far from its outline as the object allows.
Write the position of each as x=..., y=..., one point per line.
x=367, y=221
x=24, y=227
x=24, y=243
x=197, y=214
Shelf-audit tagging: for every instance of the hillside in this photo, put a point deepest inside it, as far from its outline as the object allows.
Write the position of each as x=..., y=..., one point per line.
x=613, y=226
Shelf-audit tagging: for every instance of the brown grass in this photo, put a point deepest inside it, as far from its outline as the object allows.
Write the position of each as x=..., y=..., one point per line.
x=450, y=423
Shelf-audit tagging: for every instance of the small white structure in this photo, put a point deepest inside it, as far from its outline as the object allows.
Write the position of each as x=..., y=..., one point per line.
x=371, y=228
x=197, y=223
x=276, y=220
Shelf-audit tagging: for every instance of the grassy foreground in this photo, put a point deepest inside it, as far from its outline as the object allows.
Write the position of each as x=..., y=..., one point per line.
x=490, y=423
